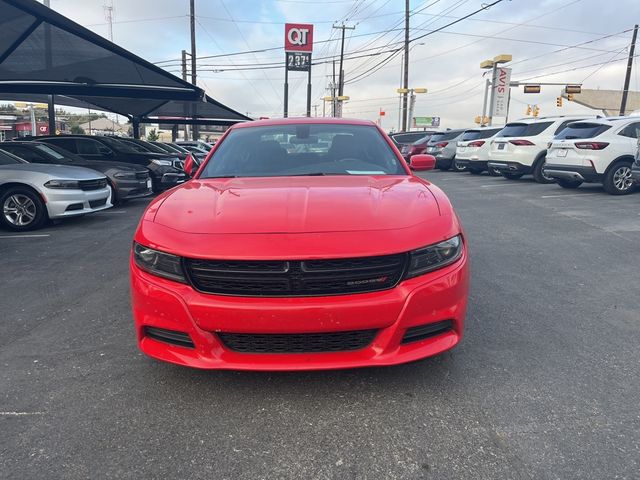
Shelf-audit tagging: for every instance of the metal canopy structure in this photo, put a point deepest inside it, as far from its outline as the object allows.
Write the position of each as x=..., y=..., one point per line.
x=46, y=57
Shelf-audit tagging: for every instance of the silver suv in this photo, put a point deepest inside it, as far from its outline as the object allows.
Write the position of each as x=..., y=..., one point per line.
x=442, y=145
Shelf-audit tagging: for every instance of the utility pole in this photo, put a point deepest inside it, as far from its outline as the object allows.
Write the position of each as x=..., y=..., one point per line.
x=342, y=27
x=333, y=91
x=627, y=78
x=405, y=83
x=400, y=95
x=192, y=17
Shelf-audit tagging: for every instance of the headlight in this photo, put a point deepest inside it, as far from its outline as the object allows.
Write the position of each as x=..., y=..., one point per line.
x=158, y=263
x=164, y=163
x=434, y=257
x=125, y=175
x=62, y=184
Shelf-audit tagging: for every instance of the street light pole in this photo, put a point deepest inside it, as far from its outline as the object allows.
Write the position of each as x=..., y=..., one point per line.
x=405, y=83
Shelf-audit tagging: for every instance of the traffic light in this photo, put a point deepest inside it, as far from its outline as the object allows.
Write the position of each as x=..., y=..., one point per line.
x=570, y=97
x=536, y=110
x=558, y=101
x=528, y=109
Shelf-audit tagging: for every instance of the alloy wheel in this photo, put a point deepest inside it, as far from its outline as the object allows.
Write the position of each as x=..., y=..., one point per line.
x=19, y=210
x=622, y=178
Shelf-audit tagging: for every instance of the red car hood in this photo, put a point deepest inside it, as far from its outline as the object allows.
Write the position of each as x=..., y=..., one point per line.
x=298, y=205
x=291, y=217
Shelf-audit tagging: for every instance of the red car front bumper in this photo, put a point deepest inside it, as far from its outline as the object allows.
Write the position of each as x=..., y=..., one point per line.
x=430, y=298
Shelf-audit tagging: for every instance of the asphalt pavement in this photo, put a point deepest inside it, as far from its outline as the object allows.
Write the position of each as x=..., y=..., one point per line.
x=545, y=384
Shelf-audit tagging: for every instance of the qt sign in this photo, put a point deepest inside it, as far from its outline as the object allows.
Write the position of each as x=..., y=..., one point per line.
x=298, y=37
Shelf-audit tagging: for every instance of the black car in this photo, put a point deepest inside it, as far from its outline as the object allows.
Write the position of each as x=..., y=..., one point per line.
x=198, y=153
x=144, y=146
x=127, y=181
x=165, y=169
x=171, y=148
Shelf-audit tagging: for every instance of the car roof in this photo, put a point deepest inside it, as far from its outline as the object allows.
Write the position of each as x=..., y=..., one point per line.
x=302, y=120
x=554, y=118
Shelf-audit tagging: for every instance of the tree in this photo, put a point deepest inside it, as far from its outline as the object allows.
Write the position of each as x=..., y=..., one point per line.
x=152, y=136
x=77, y=130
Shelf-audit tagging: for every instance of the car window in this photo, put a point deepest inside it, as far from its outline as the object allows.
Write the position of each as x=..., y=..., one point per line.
x=408, y=137
x=25, y=153
x=8, y=159
x=582, y=130
x=564, y=124
x=118, y=145
x=630, y=130
x=303, y=149
x=450, y=135
x=524, y=129
x=87, y=146
x=477, y=134
x=51, y=152
x=68, y=144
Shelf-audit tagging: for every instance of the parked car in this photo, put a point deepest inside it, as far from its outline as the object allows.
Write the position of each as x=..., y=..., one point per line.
x=416, y=148
x=165, y=171
x=125, y=180
x=407, y=138
x=472, y=151
x=520, y=147
x=599, y=150
x=195, y=143
x=173, y=149
x=309, y=259
x=635, y=169
x=442, y=145
x=197, y=152
x=31, y=194
x=144, y=146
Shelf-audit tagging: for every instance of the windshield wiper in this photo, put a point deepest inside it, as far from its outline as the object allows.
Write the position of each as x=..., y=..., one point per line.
x=310, y=174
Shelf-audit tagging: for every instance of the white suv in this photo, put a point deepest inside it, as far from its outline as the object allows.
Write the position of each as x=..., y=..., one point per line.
x=599, y=151
x=473, y=148
x=520, y=148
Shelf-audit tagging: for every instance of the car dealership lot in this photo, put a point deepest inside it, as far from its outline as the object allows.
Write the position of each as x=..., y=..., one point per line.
x=544, y=385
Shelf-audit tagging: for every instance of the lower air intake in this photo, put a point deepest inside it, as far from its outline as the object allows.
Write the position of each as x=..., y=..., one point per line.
x=297, y=342
x=169, y=336
x=422, y=332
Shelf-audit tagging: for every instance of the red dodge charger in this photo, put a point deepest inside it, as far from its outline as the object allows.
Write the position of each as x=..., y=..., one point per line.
x=300, y=244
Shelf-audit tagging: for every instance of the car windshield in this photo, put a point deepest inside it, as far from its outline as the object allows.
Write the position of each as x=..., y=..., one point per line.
x=439, y=136
x=58, y=154
x=7, y=159
x=303, y=149
x=582, y=130
x=524, y=129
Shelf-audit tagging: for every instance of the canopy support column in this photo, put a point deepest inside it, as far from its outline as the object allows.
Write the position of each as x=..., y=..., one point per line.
x=136, y=127
x=52, y=115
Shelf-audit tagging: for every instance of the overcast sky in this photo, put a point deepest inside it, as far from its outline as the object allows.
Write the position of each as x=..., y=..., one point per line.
x=550, y=40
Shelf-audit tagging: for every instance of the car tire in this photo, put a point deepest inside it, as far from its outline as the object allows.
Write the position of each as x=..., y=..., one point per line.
x=566, y=183
x=617, y=180
x=115, y=199
x=538, y=173
x=444, y=166
x=456, y=167
x=475, y=171
x=493, y=172
x=512, y=176
x=22, y=209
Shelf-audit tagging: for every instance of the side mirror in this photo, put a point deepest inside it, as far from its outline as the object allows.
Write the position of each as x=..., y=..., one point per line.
x=190, y=165
x=423, y=162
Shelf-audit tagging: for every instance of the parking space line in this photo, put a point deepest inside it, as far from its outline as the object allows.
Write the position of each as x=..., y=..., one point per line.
x=571, y=195
x=26, y=236
x=519, y=185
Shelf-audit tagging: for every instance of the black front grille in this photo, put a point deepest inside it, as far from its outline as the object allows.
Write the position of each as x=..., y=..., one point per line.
x=297, y=342
x=169, y=336
x=142, y=175
x=422, y=332
x=296, y=278
x=93, y=184
x=97, y=203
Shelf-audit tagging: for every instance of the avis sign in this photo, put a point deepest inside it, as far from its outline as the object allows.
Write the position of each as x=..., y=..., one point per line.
x=501, y=92
x=298, y=37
